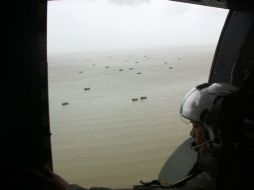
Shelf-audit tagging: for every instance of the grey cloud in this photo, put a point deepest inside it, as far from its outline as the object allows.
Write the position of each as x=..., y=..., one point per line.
x=129, y=2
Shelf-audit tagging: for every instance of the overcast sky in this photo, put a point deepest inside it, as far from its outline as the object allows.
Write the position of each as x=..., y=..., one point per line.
x=85, y=25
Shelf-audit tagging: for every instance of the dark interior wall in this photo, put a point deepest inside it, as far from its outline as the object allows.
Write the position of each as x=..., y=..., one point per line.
x=246, y=59
x=24, y=126
x=230, y=47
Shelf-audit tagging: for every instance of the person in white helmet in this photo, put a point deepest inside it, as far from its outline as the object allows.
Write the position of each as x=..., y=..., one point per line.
x=204, y=108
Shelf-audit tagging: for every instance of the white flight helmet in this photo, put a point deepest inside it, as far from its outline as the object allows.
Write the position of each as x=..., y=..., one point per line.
x=203, y=104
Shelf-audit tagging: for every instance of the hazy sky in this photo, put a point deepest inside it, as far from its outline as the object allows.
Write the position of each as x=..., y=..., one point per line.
x=85, y=25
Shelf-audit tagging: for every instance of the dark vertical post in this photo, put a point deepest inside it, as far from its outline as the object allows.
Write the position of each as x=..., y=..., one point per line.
x=24, y=129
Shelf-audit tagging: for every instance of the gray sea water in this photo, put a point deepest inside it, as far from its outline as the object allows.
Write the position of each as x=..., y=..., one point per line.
x=103, y=137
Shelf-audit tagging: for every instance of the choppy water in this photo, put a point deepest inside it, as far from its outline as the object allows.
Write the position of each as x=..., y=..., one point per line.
x=102, y=137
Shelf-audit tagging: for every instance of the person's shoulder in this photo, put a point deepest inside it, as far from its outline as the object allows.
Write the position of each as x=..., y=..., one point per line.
x=202, y=180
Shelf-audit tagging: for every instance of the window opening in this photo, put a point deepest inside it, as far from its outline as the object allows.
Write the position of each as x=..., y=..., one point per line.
x=118, y=71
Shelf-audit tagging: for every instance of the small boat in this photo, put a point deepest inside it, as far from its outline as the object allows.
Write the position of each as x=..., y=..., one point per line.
x=134, y=99
x=86, y=89
x=143, y=98
x=65, y=103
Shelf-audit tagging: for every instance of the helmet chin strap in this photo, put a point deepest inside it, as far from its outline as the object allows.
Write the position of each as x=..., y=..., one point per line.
x=207, y=144
x=197, y=147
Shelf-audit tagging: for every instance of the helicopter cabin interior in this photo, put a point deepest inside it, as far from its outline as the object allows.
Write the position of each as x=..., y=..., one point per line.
x=25, y=127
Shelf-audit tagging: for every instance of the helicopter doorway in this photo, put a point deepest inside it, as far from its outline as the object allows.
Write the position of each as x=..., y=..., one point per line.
x=117, y=75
